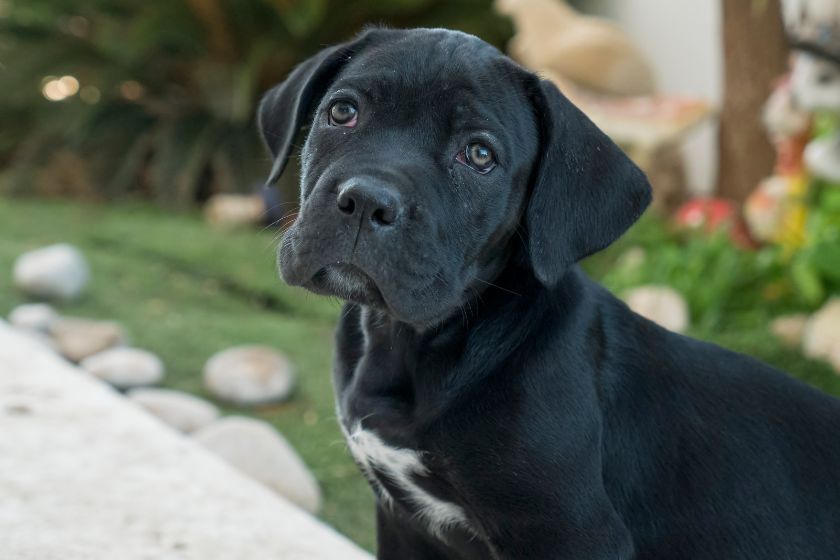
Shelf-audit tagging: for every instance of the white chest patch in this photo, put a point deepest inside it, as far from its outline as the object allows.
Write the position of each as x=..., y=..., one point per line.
x=400, y=466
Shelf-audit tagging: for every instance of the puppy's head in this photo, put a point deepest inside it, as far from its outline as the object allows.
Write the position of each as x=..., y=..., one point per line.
x=430, y=159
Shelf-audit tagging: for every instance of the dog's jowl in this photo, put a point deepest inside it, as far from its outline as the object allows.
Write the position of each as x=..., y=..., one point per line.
x=500, y=403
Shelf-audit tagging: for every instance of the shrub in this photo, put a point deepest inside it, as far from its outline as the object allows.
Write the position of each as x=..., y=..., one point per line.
x=160, y=94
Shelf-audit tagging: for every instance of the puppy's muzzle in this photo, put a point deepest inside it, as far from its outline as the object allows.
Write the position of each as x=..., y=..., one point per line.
x=378, y=206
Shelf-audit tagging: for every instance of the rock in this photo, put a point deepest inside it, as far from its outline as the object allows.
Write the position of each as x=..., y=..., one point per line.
x=76, y=339
x=822, y=332
x=255, y=448
x=125, y=368
x=593, y=52
x=232, y=210
x=33, y=316
x=789, y=328
x=660, y=304
x=57, y=272
x=249, y=375
x=834, y=358
x=182, y=411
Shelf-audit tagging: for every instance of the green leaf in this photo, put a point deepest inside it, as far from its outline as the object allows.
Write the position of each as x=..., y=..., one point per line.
x=807, y=281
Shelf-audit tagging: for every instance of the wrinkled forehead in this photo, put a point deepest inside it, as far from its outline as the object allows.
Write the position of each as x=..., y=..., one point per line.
x=446, y=72
x=424, y=53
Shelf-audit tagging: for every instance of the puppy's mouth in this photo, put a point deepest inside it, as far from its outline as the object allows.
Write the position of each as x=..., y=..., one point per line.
x=348, y=282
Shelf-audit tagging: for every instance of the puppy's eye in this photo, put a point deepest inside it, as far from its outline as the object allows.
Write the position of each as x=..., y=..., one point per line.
x=478, y=156
x=343, y=113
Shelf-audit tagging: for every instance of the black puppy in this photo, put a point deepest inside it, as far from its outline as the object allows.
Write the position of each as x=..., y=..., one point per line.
x=501, y=404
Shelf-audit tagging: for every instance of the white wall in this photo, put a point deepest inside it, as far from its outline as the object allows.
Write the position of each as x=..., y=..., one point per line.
x=683, y=41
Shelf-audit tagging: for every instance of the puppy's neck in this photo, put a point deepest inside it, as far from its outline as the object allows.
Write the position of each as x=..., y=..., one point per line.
x=487, y=330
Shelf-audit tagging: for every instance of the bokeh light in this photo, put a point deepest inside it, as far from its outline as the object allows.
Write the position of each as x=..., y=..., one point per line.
x=131, y=90
x=58, y=89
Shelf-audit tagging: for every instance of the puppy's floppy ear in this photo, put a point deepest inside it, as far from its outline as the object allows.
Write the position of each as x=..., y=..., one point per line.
x=585, y=192
x=285, y=108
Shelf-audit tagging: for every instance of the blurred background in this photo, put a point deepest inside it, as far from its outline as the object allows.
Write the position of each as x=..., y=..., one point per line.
x=131, y=185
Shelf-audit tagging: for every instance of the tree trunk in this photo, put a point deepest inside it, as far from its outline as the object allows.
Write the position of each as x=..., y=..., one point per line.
x=755, y=54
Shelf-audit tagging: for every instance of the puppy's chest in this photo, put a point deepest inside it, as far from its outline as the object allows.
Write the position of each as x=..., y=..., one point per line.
x=402, y=476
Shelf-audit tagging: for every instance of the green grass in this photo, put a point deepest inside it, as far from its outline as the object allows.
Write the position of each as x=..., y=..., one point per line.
x=186, y=291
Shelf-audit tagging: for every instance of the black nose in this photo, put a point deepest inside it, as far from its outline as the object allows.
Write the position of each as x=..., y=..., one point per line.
x=378, y=204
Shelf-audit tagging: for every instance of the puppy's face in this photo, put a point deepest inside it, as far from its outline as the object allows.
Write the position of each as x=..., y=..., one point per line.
x=417, y=169
x=413, y=176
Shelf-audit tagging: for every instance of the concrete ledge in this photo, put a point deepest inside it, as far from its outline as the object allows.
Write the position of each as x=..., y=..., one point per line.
x=86, y=475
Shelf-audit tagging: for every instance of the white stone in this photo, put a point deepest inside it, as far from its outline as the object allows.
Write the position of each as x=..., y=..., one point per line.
x=88, y=476
x=125, y=368
x=258, y=450
x=234, y=209
x=54, y=272
x=249, y=375
x=661, y=304
x=33, y=316
x=822, y=332
x=789, y=328
x=834, y=358
x=184, y=412
x=77, y=338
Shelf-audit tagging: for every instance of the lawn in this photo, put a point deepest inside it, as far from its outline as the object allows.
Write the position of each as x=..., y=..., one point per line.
x=186, y=291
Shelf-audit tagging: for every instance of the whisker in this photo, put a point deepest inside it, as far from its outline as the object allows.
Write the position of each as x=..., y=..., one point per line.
x=267, y=210
x=276, y=237
x=477, y=295
x=497, y=286
x=272, y=224
x=518, y=232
